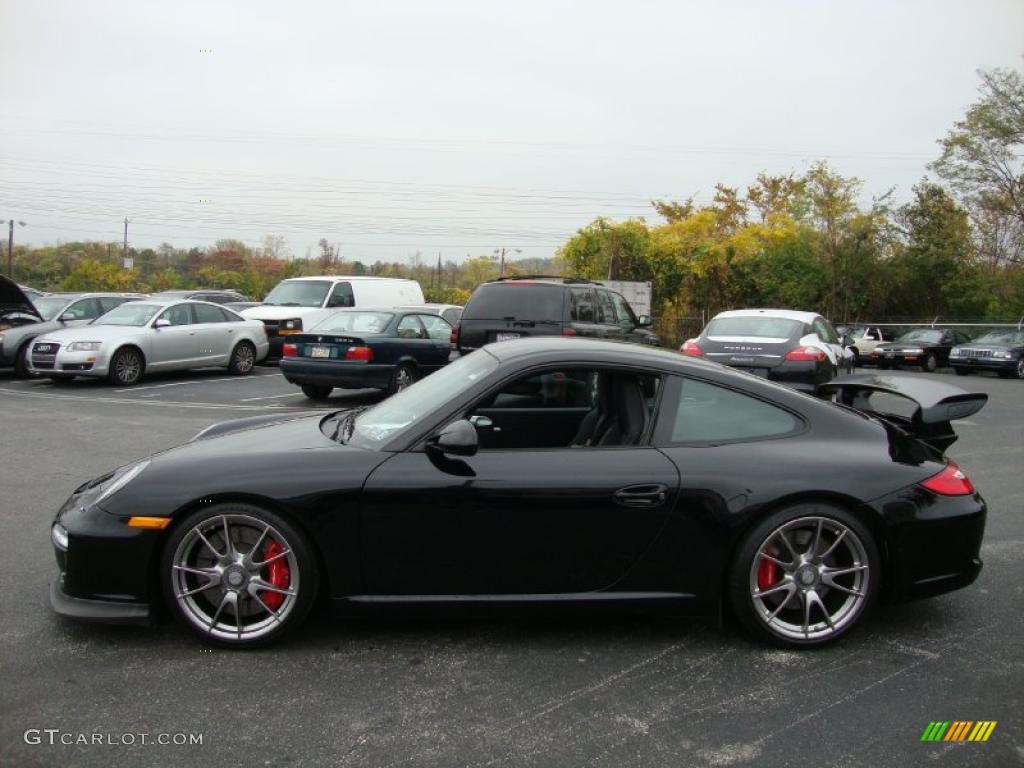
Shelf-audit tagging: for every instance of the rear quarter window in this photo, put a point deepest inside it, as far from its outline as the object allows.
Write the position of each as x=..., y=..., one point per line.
x=707, y=413
x=532, y=301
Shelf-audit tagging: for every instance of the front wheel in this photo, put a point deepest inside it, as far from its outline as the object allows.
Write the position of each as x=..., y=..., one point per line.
x=805, y=576
x=1019, y=370
x=243, y=358
x=21, y=370
x=125, y=367
x=930, y=363
x=404, y=376
x=239, y=575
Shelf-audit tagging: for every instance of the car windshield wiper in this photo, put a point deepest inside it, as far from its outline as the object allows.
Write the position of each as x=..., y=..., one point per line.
x=343, y=430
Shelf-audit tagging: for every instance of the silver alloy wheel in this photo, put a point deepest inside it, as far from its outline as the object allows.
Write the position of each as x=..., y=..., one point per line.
x=245, y=358
x=930, y=363
x=403, y=378
x=1020, y=368
x=127, y=367
x=220, y=577
x=810, y=578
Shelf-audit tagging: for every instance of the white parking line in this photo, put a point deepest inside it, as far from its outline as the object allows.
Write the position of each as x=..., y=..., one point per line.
x=194, y=381
x=156, y=403
x=271, y=397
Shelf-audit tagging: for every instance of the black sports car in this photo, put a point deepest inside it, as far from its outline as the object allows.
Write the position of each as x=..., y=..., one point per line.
x=541, y=470
x=926, y=347
x=1000, y=351
x=357, y=348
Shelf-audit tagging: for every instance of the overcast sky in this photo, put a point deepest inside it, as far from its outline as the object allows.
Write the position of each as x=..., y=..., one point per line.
x=460, y=126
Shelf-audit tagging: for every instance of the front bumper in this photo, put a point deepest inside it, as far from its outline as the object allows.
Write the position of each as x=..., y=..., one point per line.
x=100, y=611
x=67, y=363
x=983, y=364
x=346, y=374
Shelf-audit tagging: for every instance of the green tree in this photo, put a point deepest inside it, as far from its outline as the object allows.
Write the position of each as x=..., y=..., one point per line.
x=91, y=275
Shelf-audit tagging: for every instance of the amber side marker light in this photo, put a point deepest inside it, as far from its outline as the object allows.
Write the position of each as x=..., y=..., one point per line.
x=153, y=523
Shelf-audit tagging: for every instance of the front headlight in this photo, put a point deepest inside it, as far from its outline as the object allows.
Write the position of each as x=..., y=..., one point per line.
x=956, y=352
x=59, y=537
x=84, y=346
x=1, y=339
x=915, y=351
x=118, y=480
x=292, y=325
x=1004, y=355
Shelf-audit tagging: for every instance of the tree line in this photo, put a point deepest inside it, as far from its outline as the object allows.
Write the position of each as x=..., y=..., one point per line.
x=807, y=241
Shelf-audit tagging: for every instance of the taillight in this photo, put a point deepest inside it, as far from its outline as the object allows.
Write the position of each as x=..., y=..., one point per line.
x=359, y=353
x=950, y=482
x=289, y=350
x=806, y=354
x=455, y=335
x=568, y=331
x=692, y=349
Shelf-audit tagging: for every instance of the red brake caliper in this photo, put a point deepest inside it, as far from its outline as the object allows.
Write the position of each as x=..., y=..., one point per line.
x=767, y=572
x=278, y=574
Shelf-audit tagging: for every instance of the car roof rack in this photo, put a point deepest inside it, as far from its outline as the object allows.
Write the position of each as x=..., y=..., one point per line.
x=563, y=278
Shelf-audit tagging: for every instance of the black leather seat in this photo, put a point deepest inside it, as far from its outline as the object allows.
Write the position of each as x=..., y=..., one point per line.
x=629, y=413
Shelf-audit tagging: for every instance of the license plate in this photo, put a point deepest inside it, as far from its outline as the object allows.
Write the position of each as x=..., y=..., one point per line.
x=320, y=352
x=505, y=336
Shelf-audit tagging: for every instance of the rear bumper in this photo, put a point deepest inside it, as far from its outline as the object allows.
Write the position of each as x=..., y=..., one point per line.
x=804, y=376
x=933, y=542
x=346, y=374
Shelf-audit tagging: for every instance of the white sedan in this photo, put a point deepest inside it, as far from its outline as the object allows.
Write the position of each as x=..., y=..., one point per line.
x=143, y=336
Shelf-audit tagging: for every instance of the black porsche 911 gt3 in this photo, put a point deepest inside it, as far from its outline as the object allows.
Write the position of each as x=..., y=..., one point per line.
x=541, y=470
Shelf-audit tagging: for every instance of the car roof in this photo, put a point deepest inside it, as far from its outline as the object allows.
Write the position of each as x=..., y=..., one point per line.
x=788, y=314
x=346, y=277
x=622, y=351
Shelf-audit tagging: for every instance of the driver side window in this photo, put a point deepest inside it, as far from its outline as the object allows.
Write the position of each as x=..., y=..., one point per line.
x=567, y=407
x=178, y=315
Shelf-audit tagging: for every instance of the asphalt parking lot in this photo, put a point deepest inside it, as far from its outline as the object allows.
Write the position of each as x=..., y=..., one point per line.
x=497, y=688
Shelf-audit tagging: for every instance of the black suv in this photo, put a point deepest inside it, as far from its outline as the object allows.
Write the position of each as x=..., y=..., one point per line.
x=512, y=307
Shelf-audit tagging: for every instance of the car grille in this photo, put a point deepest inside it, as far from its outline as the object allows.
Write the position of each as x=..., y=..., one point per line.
x=44, y=354
x=974, y=354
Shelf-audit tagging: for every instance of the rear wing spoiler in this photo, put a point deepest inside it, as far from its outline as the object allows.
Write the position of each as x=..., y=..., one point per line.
x=936, y=403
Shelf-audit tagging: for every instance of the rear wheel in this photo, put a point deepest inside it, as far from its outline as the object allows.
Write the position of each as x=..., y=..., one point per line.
x=930, y=363
x=239, y=575
x=805, y=576
x=243, y=358
x=403, y=377
x=316, y=392
x=125, y=367
x=1019, y=371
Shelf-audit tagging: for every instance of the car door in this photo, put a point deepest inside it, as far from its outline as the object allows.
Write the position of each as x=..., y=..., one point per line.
x=537, y=515
x=628, y=323
x=440, y=334
x=605, y=316
x=215, y=335
x=583, y=312
x=175, y=345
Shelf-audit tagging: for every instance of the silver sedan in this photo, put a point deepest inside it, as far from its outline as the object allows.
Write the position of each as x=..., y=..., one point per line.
x=144, y=336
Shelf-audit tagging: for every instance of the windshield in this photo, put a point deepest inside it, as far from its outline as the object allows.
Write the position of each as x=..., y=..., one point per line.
x=132, y=313
x=1009, y=338
x=382, y=422
x=49, y=306
x=922, y=335
x=358, y=322
x=299, y=293
x=761, y=327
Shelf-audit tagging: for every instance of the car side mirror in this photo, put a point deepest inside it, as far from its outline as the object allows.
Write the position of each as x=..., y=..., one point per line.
x=161, y=322
x=457, y=439
x=67, y=317
x=644, y=320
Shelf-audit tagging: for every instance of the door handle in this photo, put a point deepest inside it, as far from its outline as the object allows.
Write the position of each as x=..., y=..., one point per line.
x=641, y=495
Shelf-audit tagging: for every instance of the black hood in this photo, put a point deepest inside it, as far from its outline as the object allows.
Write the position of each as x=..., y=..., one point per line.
x=14, y=300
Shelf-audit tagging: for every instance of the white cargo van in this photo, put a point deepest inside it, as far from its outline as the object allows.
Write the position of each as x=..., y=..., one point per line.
x=299, y=303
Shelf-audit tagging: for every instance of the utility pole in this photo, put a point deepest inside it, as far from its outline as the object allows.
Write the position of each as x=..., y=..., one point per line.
x=10, y=246
x=125, y=254
x=501, y=265
x=439, y=276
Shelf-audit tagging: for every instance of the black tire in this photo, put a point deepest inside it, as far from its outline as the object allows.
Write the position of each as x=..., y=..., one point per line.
x=21, y=370
x=767, y=608
x=402, y=377
x=930, y=363
x=126, y=367
x=316, y=391
x=243, y=358
x=961, y=371
x=233, y=576
x=1019, y=370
